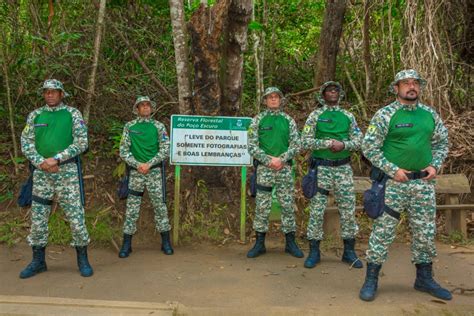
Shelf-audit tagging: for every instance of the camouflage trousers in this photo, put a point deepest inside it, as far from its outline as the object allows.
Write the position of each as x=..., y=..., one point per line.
x=283, y=188
x=418, y=198
x=152, y=182
x=65, y=184
x=339, y=179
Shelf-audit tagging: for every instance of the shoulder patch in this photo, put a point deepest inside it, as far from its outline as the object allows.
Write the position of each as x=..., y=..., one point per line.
x=306, y=129
x=371, y=129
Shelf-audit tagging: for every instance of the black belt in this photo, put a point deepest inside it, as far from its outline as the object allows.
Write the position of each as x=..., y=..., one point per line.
x=136, y=193
x=264, y=188
x=391, y=212
x=151, y=168
x=331, y=163
x=70, y=160
x=41, y=200
x=377, y=174
x=417, y=175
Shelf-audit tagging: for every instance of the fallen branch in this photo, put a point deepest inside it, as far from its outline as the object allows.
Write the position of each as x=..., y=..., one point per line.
x=301, y=92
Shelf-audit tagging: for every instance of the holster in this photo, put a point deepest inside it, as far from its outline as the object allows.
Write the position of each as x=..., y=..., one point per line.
x=309, y=183
x=374, y=198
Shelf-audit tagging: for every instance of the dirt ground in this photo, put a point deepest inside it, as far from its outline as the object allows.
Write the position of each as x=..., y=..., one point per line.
x=207, y=279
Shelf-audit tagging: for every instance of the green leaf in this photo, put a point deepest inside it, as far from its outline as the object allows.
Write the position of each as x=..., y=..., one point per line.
x=255, y=26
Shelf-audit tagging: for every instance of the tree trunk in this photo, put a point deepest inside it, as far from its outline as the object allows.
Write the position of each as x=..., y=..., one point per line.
x=240, y=12
x=181, y=55
x=205, y=28
x=329, y=41
x=98, y=38
x=258, y=50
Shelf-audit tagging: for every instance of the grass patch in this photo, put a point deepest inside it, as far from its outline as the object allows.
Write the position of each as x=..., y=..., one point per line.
x=12, y=232
x=99, y=225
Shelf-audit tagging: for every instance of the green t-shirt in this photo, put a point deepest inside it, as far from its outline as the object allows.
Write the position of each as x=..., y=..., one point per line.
x=144, y=141
x=408, y=141
x=332, y=125
x=53, y=132
x=274, y=134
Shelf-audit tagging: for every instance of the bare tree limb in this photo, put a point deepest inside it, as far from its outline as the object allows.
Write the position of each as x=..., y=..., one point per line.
x=98, y=37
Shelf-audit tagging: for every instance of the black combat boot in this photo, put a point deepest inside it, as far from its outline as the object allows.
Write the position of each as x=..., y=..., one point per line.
x=424, y=282
x=37, y=265
x=126, y=246
x=349, y=256
x=291, y=247
x=314, y=255
x=82, y=262
x=368, y=290
x=259, y=247
x=166, y=244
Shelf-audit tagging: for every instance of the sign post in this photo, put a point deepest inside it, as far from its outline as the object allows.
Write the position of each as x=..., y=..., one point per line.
x=209, y=141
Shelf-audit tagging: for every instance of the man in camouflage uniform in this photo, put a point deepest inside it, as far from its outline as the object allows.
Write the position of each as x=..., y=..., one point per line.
x=53, y=138
x=273, y=141
x=408, y=142
x=144, y=147
x=332, y=133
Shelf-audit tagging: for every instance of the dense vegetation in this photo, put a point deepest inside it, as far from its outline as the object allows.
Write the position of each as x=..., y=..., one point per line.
x=55, y=39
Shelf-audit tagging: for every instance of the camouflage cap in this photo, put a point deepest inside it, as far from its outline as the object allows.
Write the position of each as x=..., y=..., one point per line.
x=143, y=98
x=320, y=97
x=271, y=90
x=52, y=84
x=407, y=74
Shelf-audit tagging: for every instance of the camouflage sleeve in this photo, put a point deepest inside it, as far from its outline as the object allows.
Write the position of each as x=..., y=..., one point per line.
x=79, y=134
x=253, y=144
x=308, y=139
x=28, y=141
x=373, y=142
x=439, y=142
x=125, y=152
x=294, y=144
x=164, y=144
x=355, y=135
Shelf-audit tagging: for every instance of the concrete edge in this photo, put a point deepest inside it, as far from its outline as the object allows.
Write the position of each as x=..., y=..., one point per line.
x=74, y=302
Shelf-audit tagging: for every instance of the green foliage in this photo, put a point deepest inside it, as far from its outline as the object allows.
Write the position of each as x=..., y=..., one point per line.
x=205, y=219
x=456, y=238
x=99, y=224
x=11, y=232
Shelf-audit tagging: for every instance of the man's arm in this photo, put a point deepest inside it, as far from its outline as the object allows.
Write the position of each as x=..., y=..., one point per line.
x=439, y=143
x=294, y=143
x=253, y=144
x=355, y=135
x=79, y=134
x=28, y=146
x=308, y=139
x=373, y=142
x=125, y=152
x=164, y=141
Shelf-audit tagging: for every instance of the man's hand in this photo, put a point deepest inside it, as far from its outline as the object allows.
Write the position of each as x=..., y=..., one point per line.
x=50, y=162
x=53, y=169
x=49, y=165
x=431, y=173
x=401, y=175
x=276, y=164
x=336, y=146
x=143, y=168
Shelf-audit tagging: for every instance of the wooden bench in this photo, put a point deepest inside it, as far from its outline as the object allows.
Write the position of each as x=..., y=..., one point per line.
x=450, y=185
